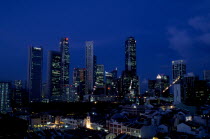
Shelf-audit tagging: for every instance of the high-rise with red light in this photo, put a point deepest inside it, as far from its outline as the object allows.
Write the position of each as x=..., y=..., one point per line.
x=65, y=61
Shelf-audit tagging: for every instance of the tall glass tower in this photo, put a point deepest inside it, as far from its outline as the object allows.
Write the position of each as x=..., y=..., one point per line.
x=54, y=76
x=34, y=81
x=65, y=62
x=178, y=68
x=89, y=61
x=130, y=81
x=5, y=96
x=130, y=55
x=99, y=76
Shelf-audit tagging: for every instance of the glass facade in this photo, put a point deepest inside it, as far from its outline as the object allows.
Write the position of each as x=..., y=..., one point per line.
x=100, y=76
x=65, y=62
x=130, y=81
x=178, y=69
x=89, y=66
x=79, y=81
x=54, y=76
x=34, y=82
x=162, y=82
x=130, y=55
x=5, y=96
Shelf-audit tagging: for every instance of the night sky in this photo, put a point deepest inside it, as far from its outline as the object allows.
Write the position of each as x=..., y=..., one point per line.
x=165, y=30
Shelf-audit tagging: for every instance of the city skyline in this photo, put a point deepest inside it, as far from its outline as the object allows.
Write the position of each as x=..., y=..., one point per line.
x=160, y=38
x=105, y=69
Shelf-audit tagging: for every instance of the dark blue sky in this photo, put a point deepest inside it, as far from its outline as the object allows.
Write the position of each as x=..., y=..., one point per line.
x=165, y=30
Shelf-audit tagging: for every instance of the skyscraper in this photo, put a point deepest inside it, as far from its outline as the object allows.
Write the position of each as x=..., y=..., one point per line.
x=20, y=95
x=130, y=55
x=130, y=81
x=34, y=82
x=114, y=74
x=94, y=69
x=89, y=66
x=178, y=69
x=162, y=82
x=99, y=76
x=79, y=81
x=206, y=75
x=65, y=61
x=5, y=99
x=54, y=76
x=111, y=82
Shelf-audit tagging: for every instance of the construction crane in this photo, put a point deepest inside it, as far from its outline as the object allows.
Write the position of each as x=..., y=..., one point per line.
x=176, y=80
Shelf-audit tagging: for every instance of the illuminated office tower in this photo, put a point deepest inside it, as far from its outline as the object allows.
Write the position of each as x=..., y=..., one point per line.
x=54, y=76
x=5, y=93
x=94, y=69
x=111, y=82
x=89, y=61
x=65, y=61
x=20, y=95
x=130, y=81
x=34, y=82
x=178, y=69
x=130, y=55
x=162, y=82
x=79, y=82
x=100, y=76
x=109, y=78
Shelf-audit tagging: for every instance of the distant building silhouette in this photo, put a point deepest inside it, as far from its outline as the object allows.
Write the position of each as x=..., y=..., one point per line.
x=206, y=75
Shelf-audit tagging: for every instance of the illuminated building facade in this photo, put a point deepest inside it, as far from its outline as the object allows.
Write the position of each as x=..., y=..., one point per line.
x=99, y=83
x=100, y=76
x=111, y=82
x=65, y=62
x=130, y=55
x=34, y=82
x=79, y=81
x=130, y=81
x=89, y=61
x=178, y=69
x=94, y=69
x=162, y=82
x=20, y=95
x=54, y=76
x=5, y=96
